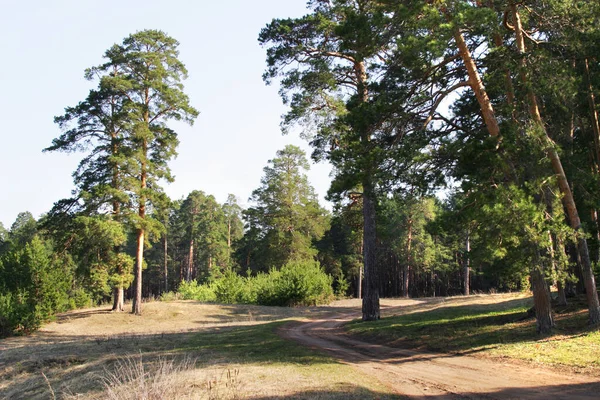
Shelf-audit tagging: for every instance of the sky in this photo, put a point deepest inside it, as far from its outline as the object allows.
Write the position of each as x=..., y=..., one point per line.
x=47, y=45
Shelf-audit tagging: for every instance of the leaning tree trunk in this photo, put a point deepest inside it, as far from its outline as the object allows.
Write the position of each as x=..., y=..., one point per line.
x=568, y=200
x=493, y=128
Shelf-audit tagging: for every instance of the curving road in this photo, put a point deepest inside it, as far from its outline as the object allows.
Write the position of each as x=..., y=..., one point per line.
x=423, y=375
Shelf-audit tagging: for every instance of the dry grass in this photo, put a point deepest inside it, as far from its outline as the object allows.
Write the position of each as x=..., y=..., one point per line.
x=96, y=354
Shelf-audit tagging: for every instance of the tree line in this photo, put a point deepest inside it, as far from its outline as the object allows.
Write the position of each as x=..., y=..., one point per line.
x=464, y=140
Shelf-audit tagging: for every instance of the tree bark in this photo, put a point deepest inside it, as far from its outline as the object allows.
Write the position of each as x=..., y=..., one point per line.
x=139, y=259
x=406, y=269
x=118, y=298
x=541, y=301
x=139, y=256
x=568, y=200
x=166, y=263
x=190, y=265
x=467, y=267
x=370, y=303
x=477, y=86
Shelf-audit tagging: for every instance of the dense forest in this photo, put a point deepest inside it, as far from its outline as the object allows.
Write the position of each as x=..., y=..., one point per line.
x=465, y=144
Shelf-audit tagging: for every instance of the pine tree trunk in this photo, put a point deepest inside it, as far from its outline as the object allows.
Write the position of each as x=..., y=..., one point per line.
x=467, y=267
x=139, y=260
x=118, y=298
x=166, y=263
x=406, y=270
x=477, y=86
x=137, y=284
x=562, y=294
x=370, y=304
x=190, y=265
x=541, y=301
x=568, y=200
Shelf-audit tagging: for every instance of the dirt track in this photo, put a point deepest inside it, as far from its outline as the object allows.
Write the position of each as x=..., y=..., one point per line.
x=422, y=375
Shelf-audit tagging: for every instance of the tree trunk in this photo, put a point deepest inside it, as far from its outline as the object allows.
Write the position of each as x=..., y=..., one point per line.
x=166, y=263
x=370, y=304
x=139, y=260
x=118, y=298
x=562, y=294
x=190, y=265
x=568, y=200
x=360, y=281
x=593, y=112
x=137, y=286
x=406, y=271
x=477, y=86
x=541, y=301
x=467, y=267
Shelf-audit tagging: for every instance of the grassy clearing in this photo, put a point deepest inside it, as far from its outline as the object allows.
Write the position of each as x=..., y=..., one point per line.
x=499, y=328
x=200, y=351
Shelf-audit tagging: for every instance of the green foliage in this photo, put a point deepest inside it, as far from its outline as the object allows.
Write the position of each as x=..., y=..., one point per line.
x=36, y=284
x=194, y=291
x=286, y=217
x=297, y=283
x=302, y=283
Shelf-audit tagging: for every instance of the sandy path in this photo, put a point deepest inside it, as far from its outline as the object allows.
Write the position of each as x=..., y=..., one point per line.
x=422, y=375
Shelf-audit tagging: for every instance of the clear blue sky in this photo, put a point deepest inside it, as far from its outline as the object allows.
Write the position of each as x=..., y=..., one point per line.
x=46, y=46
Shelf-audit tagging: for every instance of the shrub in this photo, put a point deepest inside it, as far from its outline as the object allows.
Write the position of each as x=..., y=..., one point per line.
x=298, y=283
x=194, y=291
x=230, y=288
x=170, y=296
x=304, y=283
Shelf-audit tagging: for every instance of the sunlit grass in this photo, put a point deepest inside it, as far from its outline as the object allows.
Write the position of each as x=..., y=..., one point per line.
x=500, y=329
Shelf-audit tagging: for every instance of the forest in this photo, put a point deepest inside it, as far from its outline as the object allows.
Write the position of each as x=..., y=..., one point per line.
x=465, y=143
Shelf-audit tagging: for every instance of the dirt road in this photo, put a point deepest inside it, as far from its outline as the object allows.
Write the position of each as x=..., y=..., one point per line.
x=422, y=375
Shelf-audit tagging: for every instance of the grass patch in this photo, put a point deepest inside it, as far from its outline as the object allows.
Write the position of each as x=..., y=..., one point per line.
x=95, y=354
x=500, y=329
x=255, y=344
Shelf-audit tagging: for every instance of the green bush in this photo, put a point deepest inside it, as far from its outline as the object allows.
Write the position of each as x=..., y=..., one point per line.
x=194, y=291
x=230, y=288
x=170, y=296
x=79, y=298
x=18, y=315
x=297, y=283
x=303, y=283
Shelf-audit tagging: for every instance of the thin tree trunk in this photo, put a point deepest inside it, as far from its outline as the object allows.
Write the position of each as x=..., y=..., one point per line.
x=139, y=261
x=568, y=200
x=190, y=265
x=593, y=112
x=406, y=272
x=118, y=291
x=467, y=267
x=166, y=263
x=137, y=294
